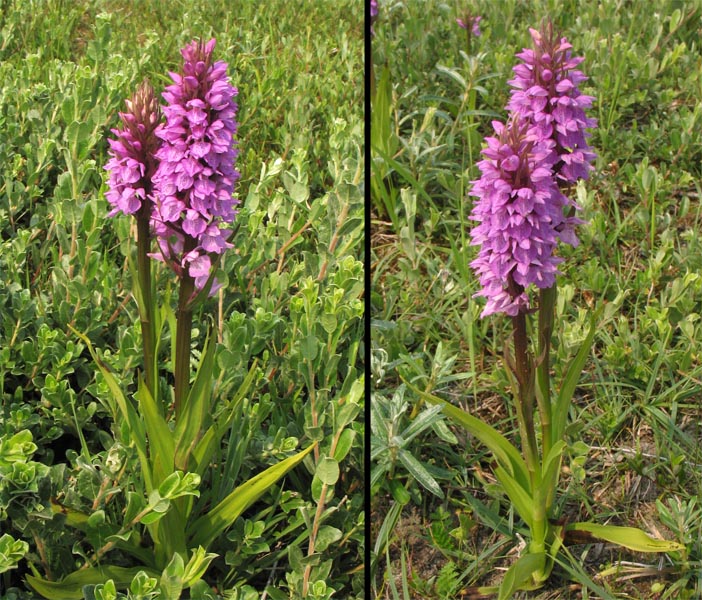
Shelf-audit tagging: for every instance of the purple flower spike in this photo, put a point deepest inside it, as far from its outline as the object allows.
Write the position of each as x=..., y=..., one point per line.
x=132, y=154
x=520, y=215
x=373, y=14
x=472, y=22
x=196, y=175
x=546, y=94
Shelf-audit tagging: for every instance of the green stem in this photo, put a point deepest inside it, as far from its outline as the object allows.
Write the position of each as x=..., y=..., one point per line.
x=372, y=74
x=525, y=393
x=547, y=302
x=184, y=318
x=147, y=312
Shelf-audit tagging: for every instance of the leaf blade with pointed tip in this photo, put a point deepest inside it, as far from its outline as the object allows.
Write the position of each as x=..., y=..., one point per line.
x=628, y=537
x=518, y=576
x=205, y=529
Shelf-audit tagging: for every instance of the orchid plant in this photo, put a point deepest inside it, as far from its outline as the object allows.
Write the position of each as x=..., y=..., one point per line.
x=523, y=211
x=471, y=24
x=177, y=179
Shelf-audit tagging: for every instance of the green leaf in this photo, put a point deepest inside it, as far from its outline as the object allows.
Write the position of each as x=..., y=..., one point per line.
x=441, y=429
x=326, y=536
x=520, y=575
x=570, y=381
x=550, y=472
x=96, y=519
x=378, y=420
x=505, y=453
x=153, y=517
x=347, y=414
x=197, y=565
x=71, y=587
x=11, y=552
x=105, y=591
x=129, y=414
x=628, y=537
x=420, y=473
x=171, y=583
x=343, y=446
x=421, y=422
x=168, y=486
x=208, y=527
x=392, y=516
x=74, y=518
x=19, y=448
x=452, y=74
x=206, y=447
x=406, y=174
x=200, y=589
x=176, y=485
x=382, y=135
x=157, y=502
x=399, y=492
x=329, y=322
x=328, y=470
x=78, y=137
x=520, y=498
x=196, y=412
x=162, y=449
x=309, y=347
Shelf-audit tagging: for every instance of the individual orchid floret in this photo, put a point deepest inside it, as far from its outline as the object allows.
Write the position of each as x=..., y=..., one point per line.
x=196, y=176
x=132, y=154
x=546, y=94
x=470, y=22
x=520, y=215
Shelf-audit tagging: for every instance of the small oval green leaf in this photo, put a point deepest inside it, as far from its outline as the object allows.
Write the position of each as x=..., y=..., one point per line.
x=328, y=470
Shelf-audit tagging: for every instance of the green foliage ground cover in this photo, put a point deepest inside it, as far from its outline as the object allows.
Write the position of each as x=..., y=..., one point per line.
x=439, y=523
x=292, y=304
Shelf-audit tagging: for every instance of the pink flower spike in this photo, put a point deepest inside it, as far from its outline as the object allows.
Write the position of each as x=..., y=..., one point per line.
x=552, y=101
x=520, y=215
x=196, y=175
x=133, y=154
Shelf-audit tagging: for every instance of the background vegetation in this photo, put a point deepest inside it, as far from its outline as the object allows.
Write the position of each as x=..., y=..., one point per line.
x=292, y=302
x=439, y=524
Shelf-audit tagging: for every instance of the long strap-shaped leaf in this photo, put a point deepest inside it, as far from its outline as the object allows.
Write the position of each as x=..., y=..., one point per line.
x=520, y=498
x=79, y=520
x=129, y=414
x=205, y=529
x=520, y=575
x=505, y=453
x=194, y=414
x=570, y=381
x=550, y=472
x=160, y=436
x=71, y=586
x=628, y=537
x=206, y=447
